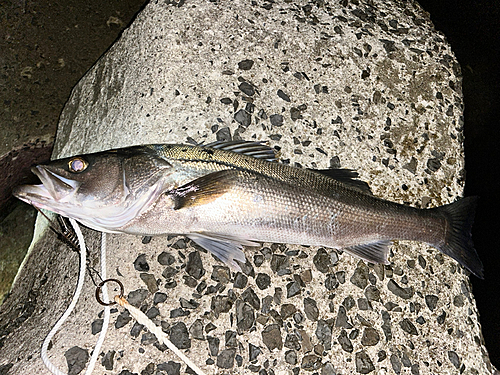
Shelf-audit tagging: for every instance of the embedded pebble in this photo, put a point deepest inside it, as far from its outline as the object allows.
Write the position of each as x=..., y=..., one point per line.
x=345, y=342
x=364, y=364
x=179, y=335
x=292, y=289
x=166, y=259
x=141, y=264
x=407, y=326
x=342, y=320
x=453, y=357
x=169, y=272
x=253, y=352
x=291, y=357
x=280, y=264
x=324, y=333
x=153, y=312
x=97, y=326
x=271, y=337
x=150, y=282
x=225, y=359
x=370, y=337
x=213, y=345
x=251, y=297
x=311, y=362
x=196, y=330
x=322, y=260
x=136, y=329
x=123, y=319
x=194, y=266
x=360, y=276
x=159, y=297
x=431, y=301
x=240, y=280
x=372, y=293
x=405, y=293
x=311, y=309
x=108, y=360
x=263, y=280
x=76, y=358
x=170, y=367
x=137, y=297
x=245, y=316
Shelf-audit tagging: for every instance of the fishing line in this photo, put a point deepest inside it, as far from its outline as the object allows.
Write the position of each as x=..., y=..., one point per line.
x=83, y=264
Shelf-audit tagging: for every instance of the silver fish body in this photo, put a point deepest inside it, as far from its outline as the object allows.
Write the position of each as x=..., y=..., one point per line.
x=227, y=195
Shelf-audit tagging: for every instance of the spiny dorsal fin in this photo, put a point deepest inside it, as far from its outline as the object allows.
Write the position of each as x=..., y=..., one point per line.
x=204, y=189
x=258, y=150
x=347, y=177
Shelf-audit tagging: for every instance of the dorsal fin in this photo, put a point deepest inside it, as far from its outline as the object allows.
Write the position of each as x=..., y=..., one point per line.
x=347, y=177
x=256, y=149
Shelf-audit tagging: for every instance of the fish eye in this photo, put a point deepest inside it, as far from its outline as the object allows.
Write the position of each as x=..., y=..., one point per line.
x=77, y=165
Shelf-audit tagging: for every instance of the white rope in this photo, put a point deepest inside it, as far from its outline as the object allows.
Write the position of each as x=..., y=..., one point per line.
x=160, y=335
x=105, y=299
x=83, y=262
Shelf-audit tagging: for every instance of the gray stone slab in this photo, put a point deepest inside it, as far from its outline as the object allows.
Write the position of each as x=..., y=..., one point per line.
x=371, y=87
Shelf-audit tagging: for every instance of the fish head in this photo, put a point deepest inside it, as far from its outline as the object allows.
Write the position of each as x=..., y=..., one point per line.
x=102, y=190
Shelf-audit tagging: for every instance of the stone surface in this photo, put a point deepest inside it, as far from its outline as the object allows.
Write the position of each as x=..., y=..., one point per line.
x=329, y=83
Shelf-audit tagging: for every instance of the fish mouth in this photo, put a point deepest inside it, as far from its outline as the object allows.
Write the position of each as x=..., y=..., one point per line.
x=54, y=187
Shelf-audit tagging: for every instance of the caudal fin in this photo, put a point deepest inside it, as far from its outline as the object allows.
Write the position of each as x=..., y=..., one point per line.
x=458, y=242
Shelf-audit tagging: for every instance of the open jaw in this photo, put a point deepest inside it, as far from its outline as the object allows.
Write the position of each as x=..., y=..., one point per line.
x=53, y=191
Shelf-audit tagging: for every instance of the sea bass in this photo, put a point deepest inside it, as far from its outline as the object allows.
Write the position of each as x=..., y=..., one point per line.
x=227, y=195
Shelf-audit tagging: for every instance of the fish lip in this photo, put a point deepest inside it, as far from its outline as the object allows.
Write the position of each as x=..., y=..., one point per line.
x=54, y=187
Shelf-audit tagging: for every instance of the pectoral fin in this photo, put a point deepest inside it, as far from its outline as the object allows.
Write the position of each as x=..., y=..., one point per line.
x=227, y=248
x=204, y=189
x=373, y=252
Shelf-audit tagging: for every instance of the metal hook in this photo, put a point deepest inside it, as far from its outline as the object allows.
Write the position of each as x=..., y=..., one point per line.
x=99, y=287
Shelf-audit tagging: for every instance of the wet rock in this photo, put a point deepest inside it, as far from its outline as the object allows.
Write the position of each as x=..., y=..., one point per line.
x=431, y=301
x=364, y=364
x=271, y=336
x=166, y=259
x=141, y=264
x=137, y=297
x=170, y=367
x=404, y=293
x=196, y=330
x=253, y=352
x=360, y=276
x=407, y=326
x=159, y=297
x=108, y=360
x=263, y=281
x=150, y=282
x=76, y=358
x=97, y=326
x=311, y=309
x=225, y=359
x=370, y=337
x=311, y=362
x=179, y=335
x=194, y=266
x=344, y=341
x=213, y=345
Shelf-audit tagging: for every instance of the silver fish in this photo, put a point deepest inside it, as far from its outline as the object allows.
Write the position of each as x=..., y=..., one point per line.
x=227, y=195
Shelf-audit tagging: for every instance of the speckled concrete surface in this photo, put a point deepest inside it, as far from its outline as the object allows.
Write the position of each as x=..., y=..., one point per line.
x=365, y=86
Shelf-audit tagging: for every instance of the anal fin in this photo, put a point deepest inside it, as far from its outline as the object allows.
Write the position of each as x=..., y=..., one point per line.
x=373, y=252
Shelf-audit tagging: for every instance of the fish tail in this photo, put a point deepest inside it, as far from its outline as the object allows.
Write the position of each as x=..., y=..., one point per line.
x=458, y=242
